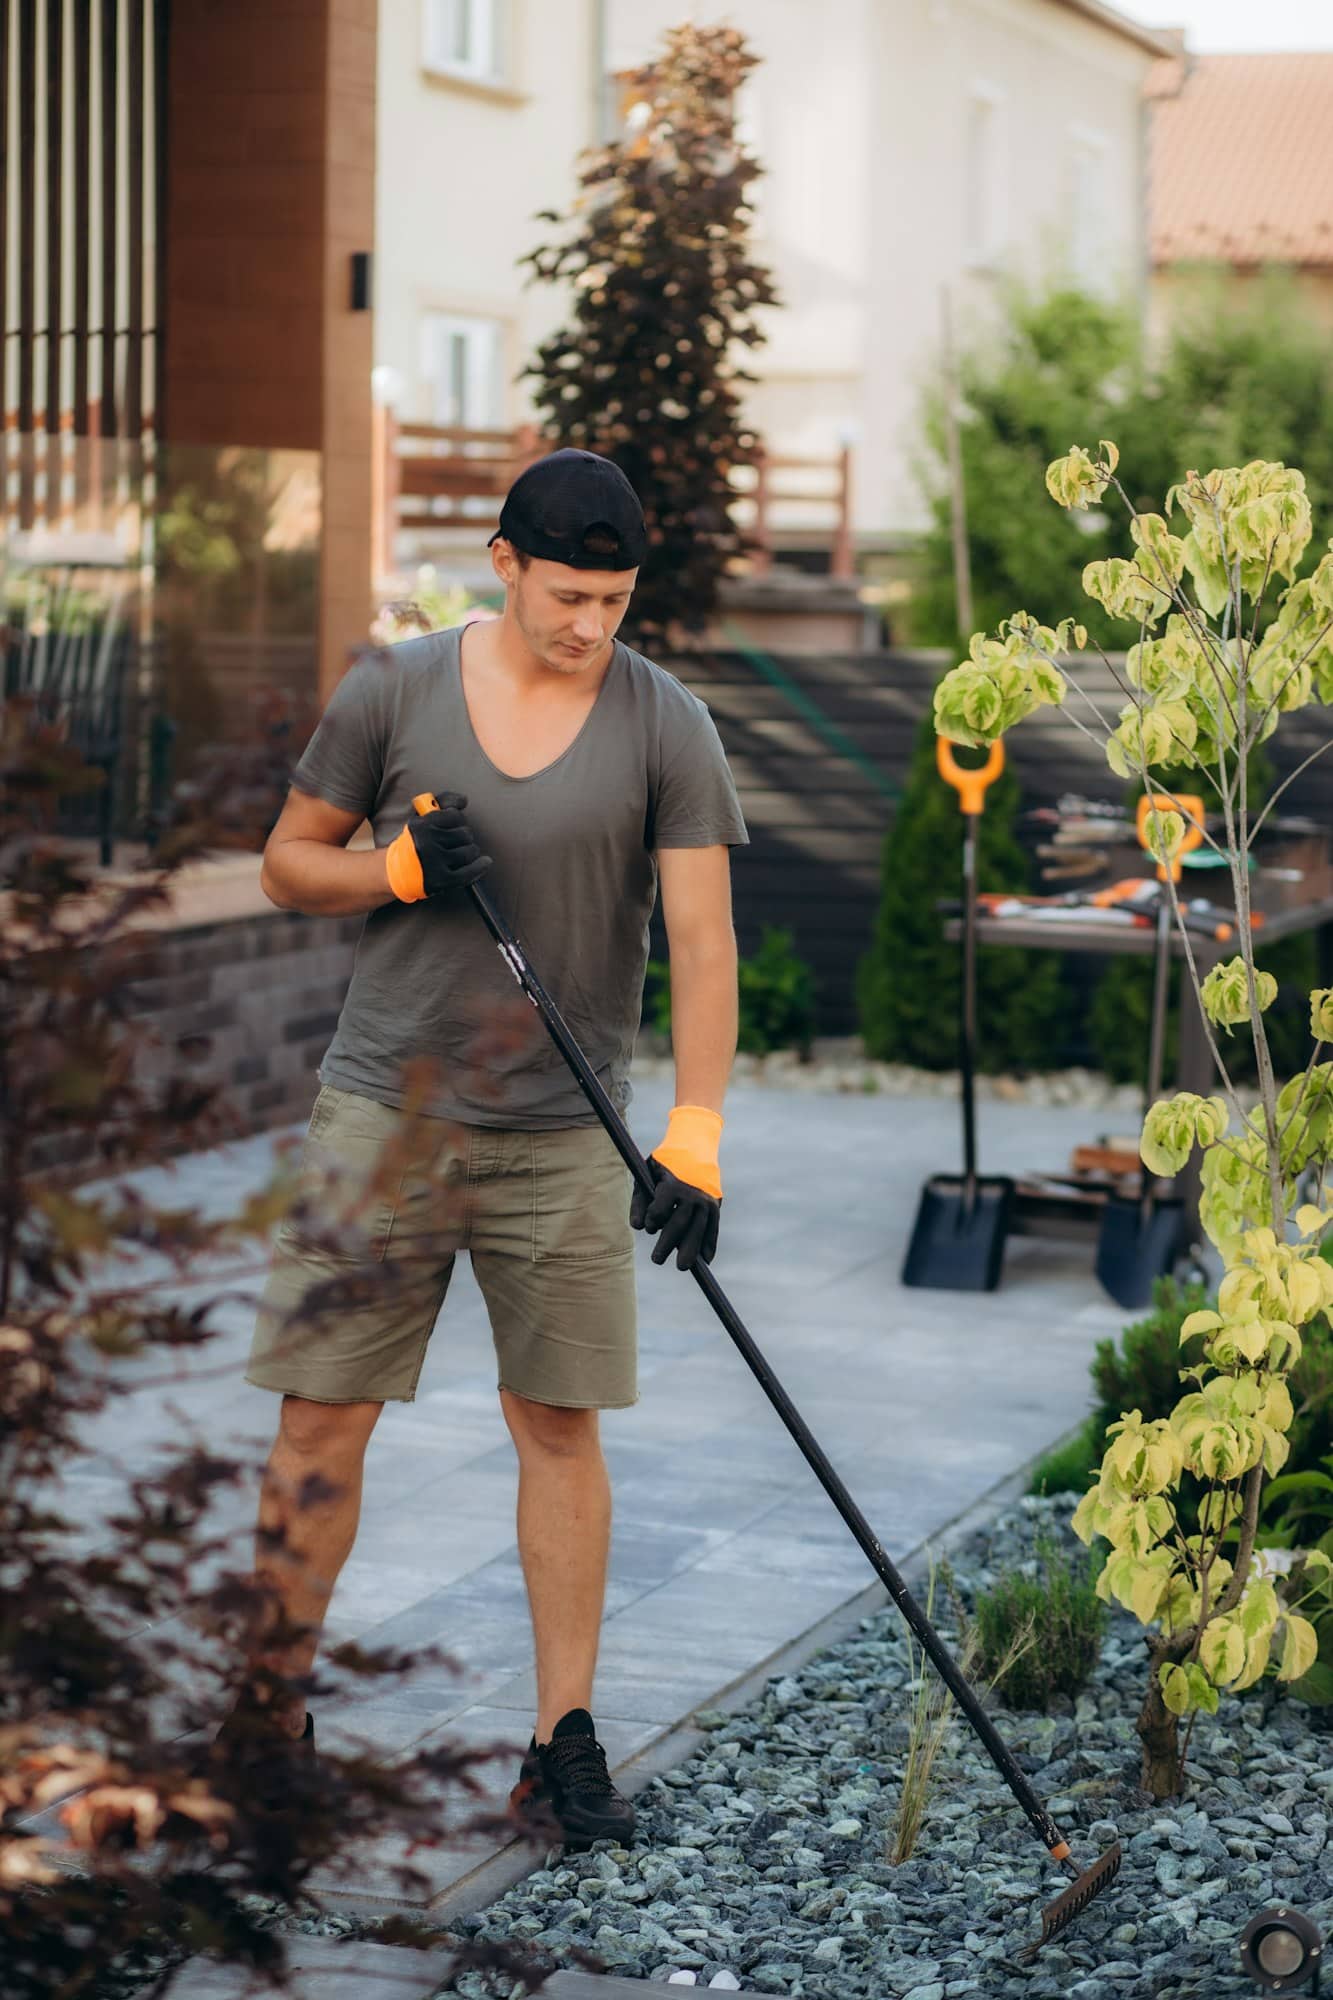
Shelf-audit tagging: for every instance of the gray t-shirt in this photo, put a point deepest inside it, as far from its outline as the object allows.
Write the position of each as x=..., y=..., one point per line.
x=575, y=875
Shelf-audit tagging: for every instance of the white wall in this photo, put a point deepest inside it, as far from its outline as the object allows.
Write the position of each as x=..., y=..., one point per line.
x=1062, y=91
x=861, y=114
x=462, y=170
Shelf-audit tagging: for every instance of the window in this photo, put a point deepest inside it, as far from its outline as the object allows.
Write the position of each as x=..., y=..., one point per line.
x=1089, y=240
x=983, y=169
x=461, y=364
x=466, y=38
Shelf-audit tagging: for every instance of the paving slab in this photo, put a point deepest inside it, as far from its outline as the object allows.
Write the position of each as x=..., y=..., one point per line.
x=726, y=1555
x=329, y=1968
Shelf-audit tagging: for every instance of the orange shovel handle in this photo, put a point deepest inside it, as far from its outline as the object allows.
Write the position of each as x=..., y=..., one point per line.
x=1190, y=807
x=971, y=786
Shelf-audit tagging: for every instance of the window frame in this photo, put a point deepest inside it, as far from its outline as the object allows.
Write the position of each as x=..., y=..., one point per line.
x=484, y=337
x=985, y=207
x=493, y=66
x=1089, y=145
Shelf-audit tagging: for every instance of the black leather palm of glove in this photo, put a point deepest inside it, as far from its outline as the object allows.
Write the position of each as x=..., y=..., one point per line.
x=446, y=846
x=682, y=1217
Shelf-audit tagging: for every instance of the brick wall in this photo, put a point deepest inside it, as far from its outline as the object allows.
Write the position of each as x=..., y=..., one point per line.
x=250, y=1004
x=255, y=1003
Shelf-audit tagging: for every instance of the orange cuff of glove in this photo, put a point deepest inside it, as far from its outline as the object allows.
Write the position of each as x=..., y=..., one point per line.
x=404, y=866
x=689, y=1150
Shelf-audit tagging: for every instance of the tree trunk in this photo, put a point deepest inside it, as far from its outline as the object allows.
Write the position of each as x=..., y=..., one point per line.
x=1159, y=1740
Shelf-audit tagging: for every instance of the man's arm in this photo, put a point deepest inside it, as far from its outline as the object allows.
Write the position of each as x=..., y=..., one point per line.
x=696, y=908
x=307, y=868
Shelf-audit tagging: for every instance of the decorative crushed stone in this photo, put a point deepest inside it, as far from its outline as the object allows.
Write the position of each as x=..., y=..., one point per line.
x=765, y=1855
x=839, y=1063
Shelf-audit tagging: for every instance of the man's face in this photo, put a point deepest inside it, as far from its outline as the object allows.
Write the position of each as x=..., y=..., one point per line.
x=568, y=616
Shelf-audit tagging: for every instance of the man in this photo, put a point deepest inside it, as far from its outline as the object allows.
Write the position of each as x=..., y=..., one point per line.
x=587, y=774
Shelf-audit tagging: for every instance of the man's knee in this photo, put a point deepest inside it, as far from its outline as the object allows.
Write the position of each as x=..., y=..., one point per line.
x=544, y=1429
x=325, y=1431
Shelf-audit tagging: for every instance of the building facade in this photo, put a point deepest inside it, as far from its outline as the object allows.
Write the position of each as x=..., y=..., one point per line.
x=926, y=149
x=1240, y=177
x=485, y=105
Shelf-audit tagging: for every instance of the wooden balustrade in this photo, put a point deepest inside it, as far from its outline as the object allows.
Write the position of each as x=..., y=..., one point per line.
x=419, y=465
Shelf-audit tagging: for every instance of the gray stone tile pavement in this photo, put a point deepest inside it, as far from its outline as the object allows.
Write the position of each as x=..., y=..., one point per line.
x=322, y=1968
x=725, y=1548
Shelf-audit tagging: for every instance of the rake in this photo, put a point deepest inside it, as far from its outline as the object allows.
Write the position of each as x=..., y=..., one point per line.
x=1087, y=1883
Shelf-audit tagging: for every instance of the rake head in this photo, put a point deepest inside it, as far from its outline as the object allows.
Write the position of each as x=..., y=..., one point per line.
x=1072, y=1902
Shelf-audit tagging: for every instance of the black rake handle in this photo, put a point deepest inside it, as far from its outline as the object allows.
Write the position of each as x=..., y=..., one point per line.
x=945, y=1664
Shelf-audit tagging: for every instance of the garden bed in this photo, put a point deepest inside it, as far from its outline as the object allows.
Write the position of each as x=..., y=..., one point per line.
x=766, y=1853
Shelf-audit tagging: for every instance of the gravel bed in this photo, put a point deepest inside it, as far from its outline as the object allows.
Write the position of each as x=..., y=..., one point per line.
x=765, y=1855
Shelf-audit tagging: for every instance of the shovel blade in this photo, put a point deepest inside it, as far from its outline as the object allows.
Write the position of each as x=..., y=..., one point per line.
x=957, y=1241
x=1134, y=1250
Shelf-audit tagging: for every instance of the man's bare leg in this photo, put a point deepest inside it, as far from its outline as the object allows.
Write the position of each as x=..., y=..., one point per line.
x=564, y=1535
x=315, y=1441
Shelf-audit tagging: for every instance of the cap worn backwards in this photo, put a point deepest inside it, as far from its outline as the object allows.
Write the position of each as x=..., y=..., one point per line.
x=578, y=508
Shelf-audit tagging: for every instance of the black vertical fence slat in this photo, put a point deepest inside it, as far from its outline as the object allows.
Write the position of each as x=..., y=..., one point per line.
x=109, y=82
x=55, y=216
x=161, y=26
x=26, y=63
x=134, y=206
x=83, y=62
x=6, y=10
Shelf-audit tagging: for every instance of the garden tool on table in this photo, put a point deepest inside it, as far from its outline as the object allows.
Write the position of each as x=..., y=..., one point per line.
x=1130, y=902
x=1140, y=1236
x=962, y=1221
x=1089, y=1882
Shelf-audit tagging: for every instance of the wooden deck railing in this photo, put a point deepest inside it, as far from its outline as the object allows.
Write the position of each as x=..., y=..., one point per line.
x=418, y=465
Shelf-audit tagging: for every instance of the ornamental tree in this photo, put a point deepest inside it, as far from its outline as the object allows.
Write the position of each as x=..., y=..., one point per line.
x=124, y=1639
x=1227, y=642
x=666, y=297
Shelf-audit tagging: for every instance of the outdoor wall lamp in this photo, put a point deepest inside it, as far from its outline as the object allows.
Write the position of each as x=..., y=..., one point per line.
x=1281, y=1949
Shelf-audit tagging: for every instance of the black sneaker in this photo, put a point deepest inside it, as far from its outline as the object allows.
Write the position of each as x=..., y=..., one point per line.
x=564, y=1785
x=248, y=1742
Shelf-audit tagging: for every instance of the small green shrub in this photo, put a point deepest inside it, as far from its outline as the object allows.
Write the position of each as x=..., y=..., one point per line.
x=776, y=992
x=1143, y=1372
x=907, y=981
x=1051, y=1624
x=777, y=997
x=1069, y=1468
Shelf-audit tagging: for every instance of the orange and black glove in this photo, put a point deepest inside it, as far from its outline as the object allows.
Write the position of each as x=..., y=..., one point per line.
x=435, y=851
x=686, y=1203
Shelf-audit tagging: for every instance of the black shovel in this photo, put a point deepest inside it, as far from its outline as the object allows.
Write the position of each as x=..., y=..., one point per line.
x=1086, y=1883
x=962, y=1222
x=1141, y=1235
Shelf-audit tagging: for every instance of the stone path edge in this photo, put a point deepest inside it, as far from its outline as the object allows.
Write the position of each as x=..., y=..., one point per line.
x=499, y=1872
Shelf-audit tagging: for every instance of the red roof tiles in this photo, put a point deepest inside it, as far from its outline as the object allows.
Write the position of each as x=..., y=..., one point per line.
x=1240, y=160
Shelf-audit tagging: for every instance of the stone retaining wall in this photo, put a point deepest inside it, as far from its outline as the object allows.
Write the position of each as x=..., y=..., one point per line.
x=250, y=1004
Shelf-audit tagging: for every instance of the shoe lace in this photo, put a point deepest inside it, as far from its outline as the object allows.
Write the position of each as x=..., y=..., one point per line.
x=581, y=1764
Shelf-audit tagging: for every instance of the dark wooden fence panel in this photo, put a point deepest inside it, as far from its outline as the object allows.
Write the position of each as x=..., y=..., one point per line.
x=817, y=817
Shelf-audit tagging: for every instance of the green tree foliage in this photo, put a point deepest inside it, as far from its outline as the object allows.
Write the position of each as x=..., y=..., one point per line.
x=1120, y=1015
x=907, y=976
x=1206, y=690
x=128, y=1837
x=1232, y=382
x=666, y=296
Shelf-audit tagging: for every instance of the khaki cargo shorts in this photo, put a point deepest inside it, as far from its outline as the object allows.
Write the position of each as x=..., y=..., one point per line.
x=386, y=1198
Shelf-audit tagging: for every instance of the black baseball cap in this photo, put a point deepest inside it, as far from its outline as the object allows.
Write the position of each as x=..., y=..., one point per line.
x=578, y=508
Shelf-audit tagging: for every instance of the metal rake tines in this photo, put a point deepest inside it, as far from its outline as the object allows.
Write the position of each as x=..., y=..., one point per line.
x=1072, y=1902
